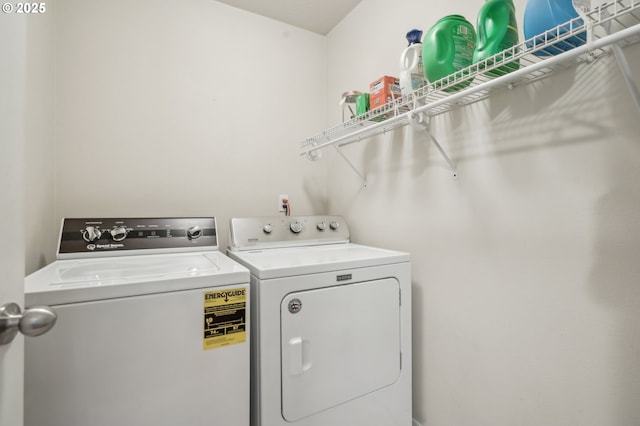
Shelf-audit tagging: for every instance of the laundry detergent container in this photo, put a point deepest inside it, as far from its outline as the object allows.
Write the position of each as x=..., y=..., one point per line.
x=497, y=32
x=541, y=17
x=448, y=47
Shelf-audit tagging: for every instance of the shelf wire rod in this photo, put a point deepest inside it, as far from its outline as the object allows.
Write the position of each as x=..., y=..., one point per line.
x=535, y=68
x=547, y=63
x=344, y=157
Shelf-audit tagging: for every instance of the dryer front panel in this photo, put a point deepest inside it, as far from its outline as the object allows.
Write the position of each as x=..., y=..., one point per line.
x=337, y=344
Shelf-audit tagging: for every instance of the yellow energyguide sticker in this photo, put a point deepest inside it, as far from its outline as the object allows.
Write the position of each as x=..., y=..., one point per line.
x=225, y=317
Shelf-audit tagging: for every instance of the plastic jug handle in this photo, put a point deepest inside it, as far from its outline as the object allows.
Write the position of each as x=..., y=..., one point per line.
x=410, y=59
x=441, y=39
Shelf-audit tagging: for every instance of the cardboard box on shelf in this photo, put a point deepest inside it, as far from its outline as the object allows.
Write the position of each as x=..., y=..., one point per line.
x=383, y=90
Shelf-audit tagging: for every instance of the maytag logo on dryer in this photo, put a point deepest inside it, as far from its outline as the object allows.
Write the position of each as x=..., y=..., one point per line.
x=345, y=277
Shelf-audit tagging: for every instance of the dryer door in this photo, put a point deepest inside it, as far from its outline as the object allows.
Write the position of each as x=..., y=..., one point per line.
x=337, y=344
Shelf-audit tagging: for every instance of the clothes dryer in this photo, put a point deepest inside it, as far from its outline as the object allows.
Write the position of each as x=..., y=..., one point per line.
x=331, y=334
x=151, y=330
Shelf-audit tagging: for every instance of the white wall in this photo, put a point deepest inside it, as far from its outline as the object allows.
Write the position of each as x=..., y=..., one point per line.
x=184, y=108
x=525, y=268
x=41, y=227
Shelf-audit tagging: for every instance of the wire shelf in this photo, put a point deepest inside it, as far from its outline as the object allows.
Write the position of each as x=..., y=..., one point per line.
x=580, y=40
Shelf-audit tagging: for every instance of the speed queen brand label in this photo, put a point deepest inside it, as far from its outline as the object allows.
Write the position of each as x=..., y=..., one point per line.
x=225, y=317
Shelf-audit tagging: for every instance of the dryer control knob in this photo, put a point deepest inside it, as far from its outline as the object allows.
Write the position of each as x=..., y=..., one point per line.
x=119, y=233
x=296, y=226
x=267, y=228
x=194, y=232
x=321, y=226
x=334, y=225
x=91, y=234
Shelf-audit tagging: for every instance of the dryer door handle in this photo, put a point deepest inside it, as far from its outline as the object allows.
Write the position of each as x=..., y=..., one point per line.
x=295, y=356
x=299, y=356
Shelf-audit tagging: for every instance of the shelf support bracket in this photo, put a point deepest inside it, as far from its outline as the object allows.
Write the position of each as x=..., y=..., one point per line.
x=621, y=59
x=626, y=73
x=344, y=157
x=452, y=166
x=421, y=119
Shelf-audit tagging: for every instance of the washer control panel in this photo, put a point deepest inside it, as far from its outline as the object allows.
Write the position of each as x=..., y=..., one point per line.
x=250, y=233
x=109, y=236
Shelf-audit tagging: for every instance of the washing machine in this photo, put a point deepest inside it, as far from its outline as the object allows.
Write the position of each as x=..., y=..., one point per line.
x=152, y=327
x=331, y=330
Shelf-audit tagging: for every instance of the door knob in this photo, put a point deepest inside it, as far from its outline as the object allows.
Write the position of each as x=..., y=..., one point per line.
x=34, y=321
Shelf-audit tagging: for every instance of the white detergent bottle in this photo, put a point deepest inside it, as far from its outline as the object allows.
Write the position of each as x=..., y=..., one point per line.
x=412, y=76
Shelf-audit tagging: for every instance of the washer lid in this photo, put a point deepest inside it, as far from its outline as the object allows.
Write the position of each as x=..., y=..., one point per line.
x=81, y=280
x=286, y=262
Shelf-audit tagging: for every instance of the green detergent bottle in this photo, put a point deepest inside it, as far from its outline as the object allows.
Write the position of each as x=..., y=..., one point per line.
x=448, y=47
x=497, y=30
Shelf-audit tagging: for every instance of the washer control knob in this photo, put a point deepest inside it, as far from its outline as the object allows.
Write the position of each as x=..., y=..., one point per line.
x=321, y=226
x=267, y=228
x=296, y=226
x=91, y=234
x=334, y=225
x=194, y=232
x=119, y=233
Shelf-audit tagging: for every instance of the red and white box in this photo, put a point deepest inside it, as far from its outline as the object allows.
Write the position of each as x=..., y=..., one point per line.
x=383, y=90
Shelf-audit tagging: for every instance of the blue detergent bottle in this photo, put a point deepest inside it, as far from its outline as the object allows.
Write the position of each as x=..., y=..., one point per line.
x=541, y=17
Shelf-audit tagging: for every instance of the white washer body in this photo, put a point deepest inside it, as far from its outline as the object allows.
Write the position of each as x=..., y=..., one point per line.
x=331, y=335
x=129, y=346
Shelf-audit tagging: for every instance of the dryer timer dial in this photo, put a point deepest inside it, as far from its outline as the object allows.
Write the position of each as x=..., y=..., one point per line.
x=91, y=234
x=296, y=226
x=119, y=233
x=194, y=232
